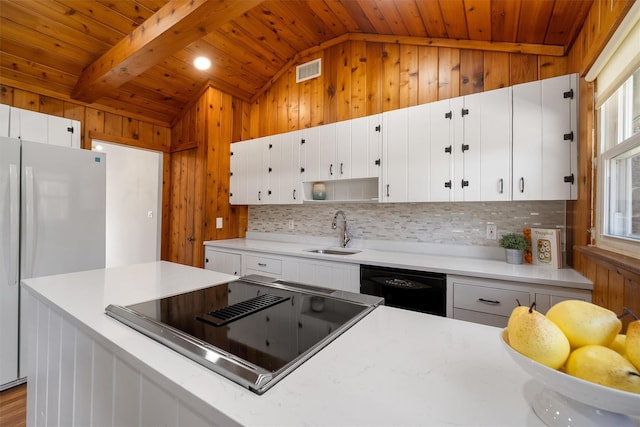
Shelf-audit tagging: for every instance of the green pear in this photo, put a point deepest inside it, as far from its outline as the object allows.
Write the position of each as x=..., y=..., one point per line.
x=533, y=335
x=604, y=366
x=585, y=323
x=632, y=343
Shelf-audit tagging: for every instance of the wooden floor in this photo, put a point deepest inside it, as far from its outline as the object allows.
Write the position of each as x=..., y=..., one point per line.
x=13, y=406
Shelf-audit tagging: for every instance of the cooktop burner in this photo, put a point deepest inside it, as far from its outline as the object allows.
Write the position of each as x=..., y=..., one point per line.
x=254, y=330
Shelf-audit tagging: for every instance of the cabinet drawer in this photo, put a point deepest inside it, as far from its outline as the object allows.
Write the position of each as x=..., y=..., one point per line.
x=265, y=265
x=482, y=318
x=487, y=299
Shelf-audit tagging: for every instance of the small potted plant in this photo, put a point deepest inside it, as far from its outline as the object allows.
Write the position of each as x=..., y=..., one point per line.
x=514, y=245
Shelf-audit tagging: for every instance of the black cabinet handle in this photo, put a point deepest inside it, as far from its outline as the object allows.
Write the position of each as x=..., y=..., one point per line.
x=331, y=169
x=489, y=301
x=387, y=190
x=294, y=194
x=501, y=181
x=341, y=171
x=522, y=184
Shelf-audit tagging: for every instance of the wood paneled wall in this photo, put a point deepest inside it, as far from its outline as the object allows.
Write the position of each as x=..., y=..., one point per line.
x=361, y=78
x=106, y=126
x=200, y=162
x=616, y=278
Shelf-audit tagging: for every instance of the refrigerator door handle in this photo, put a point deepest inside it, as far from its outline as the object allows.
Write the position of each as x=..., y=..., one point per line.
x=14, y=223
x=30, y=214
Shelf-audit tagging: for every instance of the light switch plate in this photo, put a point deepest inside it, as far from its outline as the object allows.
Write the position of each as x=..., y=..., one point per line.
x=218, y=222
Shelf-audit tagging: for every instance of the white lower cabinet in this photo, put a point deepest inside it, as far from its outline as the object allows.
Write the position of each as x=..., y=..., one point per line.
x=335, y=275
x=491, y=302
x=223, y=262
x=329, y=274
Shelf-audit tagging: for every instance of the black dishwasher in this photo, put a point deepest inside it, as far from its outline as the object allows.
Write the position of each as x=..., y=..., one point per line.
x=409, y=289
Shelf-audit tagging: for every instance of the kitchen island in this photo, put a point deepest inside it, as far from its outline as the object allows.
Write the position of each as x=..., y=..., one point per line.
x=394, y=367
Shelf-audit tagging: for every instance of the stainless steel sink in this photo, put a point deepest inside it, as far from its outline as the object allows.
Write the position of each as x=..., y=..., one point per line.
x=333, y=251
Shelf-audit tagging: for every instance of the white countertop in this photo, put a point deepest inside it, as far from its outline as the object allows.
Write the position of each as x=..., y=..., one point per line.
x=416, y=260
x=395, y=367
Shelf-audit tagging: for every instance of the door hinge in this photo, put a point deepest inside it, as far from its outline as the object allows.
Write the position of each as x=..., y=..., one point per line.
x=270, y=146
x=568, y=136
x=568, y=94
x=231, y=154
x=378, y=128
x=302, y=141
x=465, y=111
x=230, y=173
x=448, y=115
x=270, y=170
x=447, y=149
x=70, y=129
x=465, y=183
x=465, y=147
x=447, y=184
x=301, y=170
x=569, y=179
x=377, y=162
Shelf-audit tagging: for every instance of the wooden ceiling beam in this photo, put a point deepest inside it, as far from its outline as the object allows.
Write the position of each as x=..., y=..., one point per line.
x=172, y=28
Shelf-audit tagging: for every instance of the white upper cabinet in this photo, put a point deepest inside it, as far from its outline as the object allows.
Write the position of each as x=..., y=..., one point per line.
x=37, y=127
x=284, y=169
x=418, y=182
x=4, y=119
x=494, y=129
x=238, y=191
x=327, y=168
x=395, y=147
x=545, y=139
x=309, y=154
x=258, y=171
x=443, y=147
x=366, y=146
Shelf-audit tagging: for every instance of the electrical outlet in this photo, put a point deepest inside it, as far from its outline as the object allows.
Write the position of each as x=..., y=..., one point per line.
x=492, y=231
x=219, y=222
x=291, y=224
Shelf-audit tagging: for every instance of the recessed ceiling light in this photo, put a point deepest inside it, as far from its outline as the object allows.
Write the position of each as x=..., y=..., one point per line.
x=202, y=63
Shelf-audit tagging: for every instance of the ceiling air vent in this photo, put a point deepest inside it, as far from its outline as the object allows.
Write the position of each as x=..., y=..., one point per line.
x=308, y=70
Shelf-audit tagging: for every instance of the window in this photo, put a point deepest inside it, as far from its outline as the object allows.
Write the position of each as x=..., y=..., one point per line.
x=619, y=171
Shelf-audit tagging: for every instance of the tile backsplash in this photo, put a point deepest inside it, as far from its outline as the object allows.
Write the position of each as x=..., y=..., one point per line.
x=459, y=223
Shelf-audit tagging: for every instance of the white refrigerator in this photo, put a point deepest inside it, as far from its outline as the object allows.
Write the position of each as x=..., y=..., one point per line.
x=52, y=221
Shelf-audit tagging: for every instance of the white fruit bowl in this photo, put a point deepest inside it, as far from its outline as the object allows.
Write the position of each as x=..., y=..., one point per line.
x=569, y=398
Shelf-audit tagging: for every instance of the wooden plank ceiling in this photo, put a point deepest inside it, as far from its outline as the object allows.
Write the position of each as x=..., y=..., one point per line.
x=135, y=56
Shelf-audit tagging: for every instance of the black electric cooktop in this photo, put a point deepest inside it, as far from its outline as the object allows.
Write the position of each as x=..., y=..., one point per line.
x=254, y=330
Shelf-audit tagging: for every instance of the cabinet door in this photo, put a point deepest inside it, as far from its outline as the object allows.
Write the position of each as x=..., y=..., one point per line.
x=495, y=150
x=366, y=146
x=223, y=262
x=559, y=138
x=63, y=132
x=238, y=194
x=258, y=170
x=285, y=165
x=466, y=112
x=44, y=128
x=327, y=152
x=418, y=154
x=395, y=148
x=527, y=141
x=441, y=151
x=343, y=166
x=28, y=126
x=310, y=154
x=5, y=112
x=335, y=275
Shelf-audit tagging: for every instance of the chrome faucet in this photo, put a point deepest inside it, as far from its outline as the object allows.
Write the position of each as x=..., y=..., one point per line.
x=345, y=238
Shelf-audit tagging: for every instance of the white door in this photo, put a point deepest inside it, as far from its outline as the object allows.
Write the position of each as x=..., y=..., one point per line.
x=9, y=250
x=238, y=180
x=134, y=204
x=495, y=152
x=441, y=151
x=418, y=154
x=556, y=150
x=366, y=145
x=344, y=155
x=310, y=154
x=395, y=147
x=5, y=112
x=467, y=112
x=328, y=169
x=527, y=141
x=37, y=127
